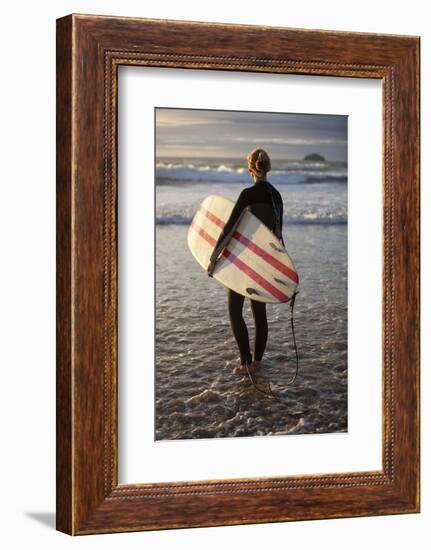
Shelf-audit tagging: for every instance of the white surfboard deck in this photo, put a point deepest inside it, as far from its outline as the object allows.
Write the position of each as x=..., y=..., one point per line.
x=254, y=263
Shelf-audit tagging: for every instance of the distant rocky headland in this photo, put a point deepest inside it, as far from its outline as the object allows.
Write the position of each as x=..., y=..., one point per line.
x=314, y=157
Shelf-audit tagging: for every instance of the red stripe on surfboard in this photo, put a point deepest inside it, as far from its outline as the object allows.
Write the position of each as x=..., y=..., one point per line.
x=242, y=266
x=254, y=247
x=215, y=219
x=256, y=277
x=200, y=231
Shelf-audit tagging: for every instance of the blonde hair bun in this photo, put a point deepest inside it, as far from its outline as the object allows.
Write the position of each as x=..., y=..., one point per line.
x=259, y=162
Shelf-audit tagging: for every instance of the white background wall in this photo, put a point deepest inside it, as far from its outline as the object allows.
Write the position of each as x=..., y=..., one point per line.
x=27, y=289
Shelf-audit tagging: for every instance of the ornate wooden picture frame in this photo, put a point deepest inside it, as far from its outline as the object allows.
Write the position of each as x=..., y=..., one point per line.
x=89, y=51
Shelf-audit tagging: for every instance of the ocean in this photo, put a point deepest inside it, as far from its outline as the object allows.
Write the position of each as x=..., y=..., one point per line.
x=197, y=393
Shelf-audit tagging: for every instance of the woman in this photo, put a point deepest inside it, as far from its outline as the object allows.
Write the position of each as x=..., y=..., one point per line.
x=265, y=202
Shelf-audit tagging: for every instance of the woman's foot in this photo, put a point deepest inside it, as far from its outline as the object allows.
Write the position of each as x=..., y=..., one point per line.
x=255, y=366
x=242, y=369
x=252, y=368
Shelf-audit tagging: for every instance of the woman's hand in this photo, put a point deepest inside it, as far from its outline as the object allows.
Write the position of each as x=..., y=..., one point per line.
x=211, y=267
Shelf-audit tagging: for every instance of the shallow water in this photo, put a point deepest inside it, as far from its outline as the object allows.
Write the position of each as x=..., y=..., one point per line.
x=197, y=393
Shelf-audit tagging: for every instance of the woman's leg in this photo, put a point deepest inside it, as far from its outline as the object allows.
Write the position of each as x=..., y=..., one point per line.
x=239, y=328
x=261, y=326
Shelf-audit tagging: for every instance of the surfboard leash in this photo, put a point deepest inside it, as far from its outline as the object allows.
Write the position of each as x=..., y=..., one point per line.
x=269, y=391
x=292, y=327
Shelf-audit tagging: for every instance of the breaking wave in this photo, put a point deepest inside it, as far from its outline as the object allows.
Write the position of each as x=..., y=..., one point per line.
x=329, y=218
x=293, y=173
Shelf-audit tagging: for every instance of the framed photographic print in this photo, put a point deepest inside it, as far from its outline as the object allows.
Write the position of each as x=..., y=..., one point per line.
x=237, y=274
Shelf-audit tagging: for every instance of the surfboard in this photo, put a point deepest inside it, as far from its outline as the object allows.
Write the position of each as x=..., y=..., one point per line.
x=254, y=263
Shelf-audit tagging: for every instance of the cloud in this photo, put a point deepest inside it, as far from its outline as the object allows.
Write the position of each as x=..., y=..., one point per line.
x=199, y=132
x=177, y=118
x=293, y=141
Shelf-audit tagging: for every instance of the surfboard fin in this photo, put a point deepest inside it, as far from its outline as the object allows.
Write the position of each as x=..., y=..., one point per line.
x=277, y=248
x=252, y=291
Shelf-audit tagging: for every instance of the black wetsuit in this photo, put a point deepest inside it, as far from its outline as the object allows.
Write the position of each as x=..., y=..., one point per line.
x=265, y=203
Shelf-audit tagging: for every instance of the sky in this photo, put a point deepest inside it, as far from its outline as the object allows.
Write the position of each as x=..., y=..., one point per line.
x=232, y=134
